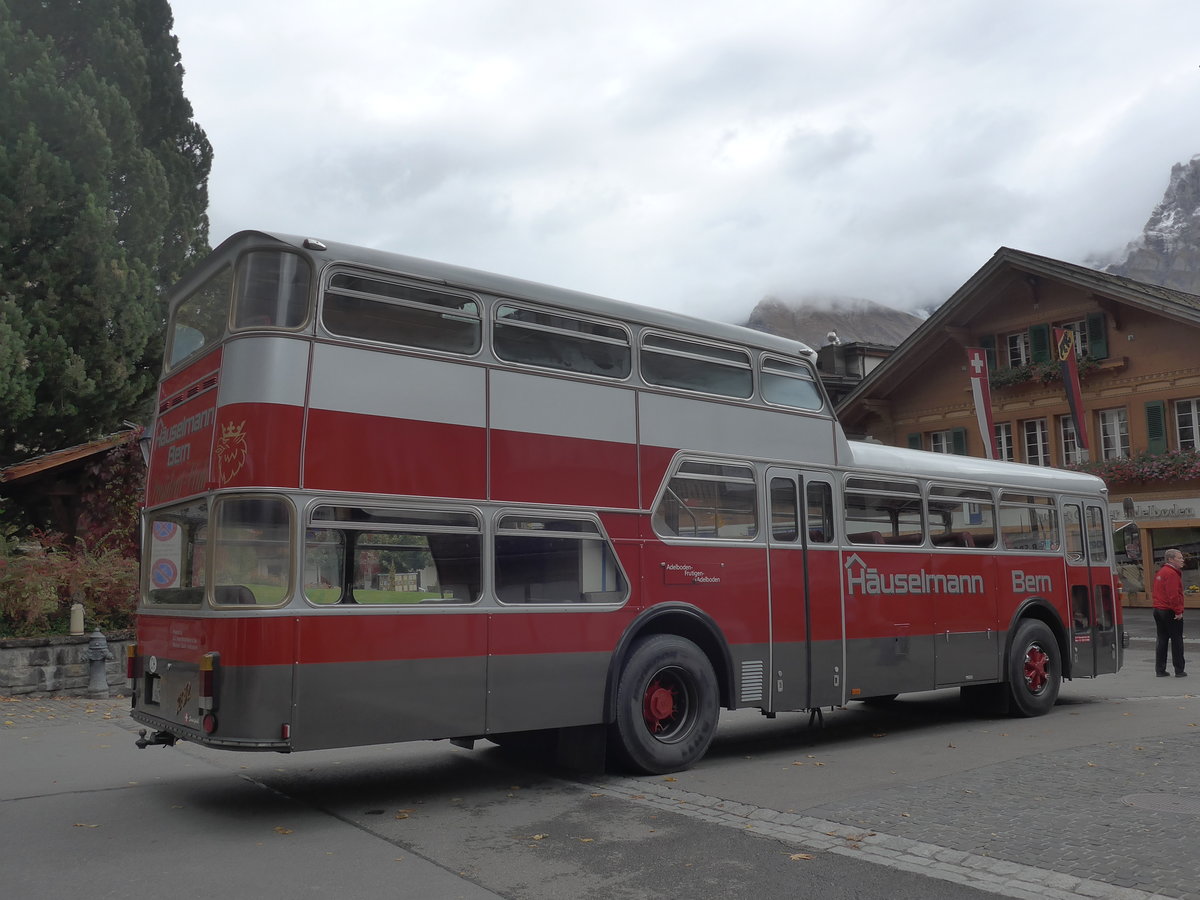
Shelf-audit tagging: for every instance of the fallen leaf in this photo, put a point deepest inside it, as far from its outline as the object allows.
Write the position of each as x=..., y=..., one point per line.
x=951, y=747
x=801, y=856
x=85, y=825
x=538, y=837
x=586, y=840
x=881, y=734
x=905, y=816
x=669, y=778
x=280, y=829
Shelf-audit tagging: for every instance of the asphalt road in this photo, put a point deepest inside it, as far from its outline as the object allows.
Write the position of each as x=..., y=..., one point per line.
x=1098, y=799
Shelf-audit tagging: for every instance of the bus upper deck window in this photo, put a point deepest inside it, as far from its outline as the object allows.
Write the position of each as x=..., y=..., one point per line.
x=272, y=290
x=199, y=320
x=790, y=384
x=396, y=312
x=693, y=366
x=557, y=341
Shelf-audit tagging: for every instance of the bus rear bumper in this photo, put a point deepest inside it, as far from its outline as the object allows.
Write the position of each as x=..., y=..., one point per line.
x=168, y=733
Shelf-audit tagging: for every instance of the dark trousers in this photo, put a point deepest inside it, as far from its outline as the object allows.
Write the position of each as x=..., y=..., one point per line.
x=1170, y=629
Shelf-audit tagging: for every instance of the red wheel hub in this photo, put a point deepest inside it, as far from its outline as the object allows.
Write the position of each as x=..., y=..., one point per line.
x=658, y=706
x=1036, y=662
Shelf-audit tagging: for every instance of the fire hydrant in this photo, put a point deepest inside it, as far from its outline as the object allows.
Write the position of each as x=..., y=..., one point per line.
x=97, y=654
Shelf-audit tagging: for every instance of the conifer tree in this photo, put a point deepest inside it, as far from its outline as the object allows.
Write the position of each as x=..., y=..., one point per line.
x=103, y=198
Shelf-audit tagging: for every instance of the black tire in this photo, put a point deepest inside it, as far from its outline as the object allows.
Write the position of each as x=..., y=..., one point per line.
x=1034, y=669
x=667, y=706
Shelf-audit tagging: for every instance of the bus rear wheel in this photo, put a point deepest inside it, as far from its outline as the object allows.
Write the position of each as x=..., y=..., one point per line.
x=667, y=706
x=1034, y=669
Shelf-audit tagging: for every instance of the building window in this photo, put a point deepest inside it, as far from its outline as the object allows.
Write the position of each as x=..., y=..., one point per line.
x=1081, y=336
x=1187, y=423
x=1004, y=442
x=1037, y=442
x=1018, y=348
x=941, y=442
x=1114, y=433
x=1072, y=453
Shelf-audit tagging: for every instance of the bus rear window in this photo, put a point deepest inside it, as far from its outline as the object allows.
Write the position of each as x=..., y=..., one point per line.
x=252, y=551
x=176, y=541
x=272, y=290
x=395, y=312
x=199, y=321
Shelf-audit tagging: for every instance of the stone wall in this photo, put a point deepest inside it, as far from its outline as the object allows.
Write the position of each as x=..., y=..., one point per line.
x=57, y=666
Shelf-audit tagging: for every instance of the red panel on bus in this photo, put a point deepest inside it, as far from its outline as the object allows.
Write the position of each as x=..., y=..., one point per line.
x=543, y=468
x=378, y=454
x=257, y=444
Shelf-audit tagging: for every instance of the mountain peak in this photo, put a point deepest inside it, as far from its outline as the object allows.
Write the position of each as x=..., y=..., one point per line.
x=1168, y=251
x=853, y=319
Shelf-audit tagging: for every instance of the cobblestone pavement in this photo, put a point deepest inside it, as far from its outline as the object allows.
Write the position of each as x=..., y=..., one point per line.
x=1115, y=820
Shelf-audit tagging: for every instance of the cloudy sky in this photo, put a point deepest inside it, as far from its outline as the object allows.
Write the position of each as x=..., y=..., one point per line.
x=698, y=155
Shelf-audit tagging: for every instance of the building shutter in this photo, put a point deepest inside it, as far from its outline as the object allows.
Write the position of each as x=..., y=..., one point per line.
x=1039, y=343
x=1156, y=426
x=1097, y=335
x=958, y=440
x=914, y=441
x=988, y=343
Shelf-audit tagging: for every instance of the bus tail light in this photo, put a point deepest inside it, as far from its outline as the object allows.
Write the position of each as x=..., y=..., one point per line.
x=208, y=681
x=133, y=665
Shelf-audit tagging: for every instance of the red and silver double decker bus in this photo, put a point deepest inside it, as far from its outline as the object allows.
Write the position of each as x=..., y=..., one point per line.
x=391, y=499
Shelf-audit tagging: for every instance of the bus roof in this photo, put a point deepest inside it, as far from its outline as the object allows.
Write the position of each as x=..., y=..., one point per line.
x=504, y=286
x=924, y=463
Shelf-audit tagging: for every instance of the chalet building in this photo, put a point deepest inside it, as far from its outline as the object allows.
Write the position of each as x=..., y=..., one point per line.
x=1138, y=357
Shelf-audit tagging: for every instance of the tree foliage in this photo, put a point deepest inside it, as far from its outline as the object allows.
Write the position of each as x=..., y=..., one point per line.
x=103, y=197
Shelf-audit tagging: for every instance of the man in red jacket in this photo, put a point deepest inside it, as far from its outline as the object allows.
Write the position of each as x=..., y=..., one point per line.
x=1168, y=614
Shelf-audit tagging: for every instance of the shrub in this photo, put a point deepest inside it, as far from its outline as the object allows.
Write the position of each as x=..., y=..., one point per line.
x=40, y=581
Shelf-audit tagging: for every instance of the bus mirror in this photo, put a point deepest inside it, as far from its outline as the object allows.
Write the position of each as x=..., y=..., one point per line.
x=1127, y=508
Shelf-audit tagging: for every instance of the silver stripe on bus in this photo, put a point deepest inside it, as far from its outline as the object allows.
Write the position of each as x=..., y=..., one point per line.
x=728, y=429
x=545, y=405
x=264, y=370
x=373, y=383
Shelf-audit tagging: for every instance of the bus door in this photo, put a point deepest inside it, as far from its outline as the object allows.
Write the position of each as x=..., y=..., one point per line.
x=1089, y=586
x=1104, y=625
x=801, y=532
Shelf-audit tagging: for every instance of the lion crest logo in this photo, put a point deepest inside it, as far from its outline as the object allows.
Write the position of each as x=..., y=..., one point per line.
x=231, y=451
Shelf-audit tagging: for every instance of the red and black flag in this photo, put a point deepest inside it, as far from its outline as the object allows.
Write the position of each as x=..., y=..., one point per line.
x=1064, y=343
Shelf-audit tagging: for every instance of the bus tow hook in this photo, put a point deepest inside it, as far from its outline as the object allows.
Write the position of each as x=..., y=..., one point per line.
x=164, y=738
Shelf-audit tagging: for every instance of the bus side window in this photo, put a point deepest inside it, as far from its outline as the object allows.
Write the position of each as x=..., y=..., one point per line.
x=389, y=556
x=820, y=512
x=883, y=511
x=709, y=500
x=785, y=510
x=961, y=517
x=545, y=560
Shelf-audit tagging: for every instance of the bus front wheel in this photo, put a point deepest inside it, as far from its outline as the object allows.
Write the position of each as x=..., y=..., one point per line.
x=667, y=705
x=1034, y=669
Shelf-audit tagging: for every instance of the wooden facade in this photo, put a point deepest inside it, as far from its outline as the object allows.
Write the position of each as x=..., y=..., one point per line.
x=1139, y=364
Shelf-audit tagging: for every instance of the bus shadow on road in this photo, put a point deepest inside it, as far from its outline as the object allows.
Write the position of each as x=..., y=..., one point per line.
x=743, y=734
